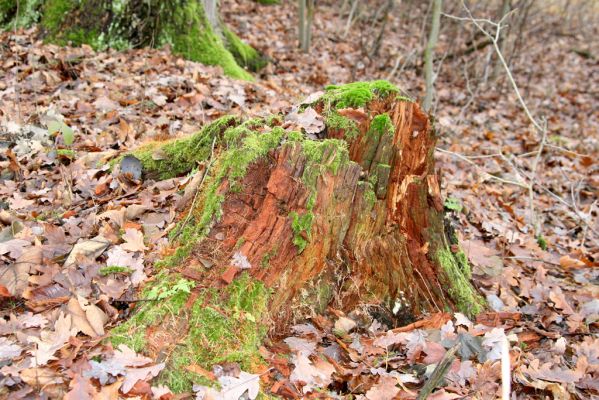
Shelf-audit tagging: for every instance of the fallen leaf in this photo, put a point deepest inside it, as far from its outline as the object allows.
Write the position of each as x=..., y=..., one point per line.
x=91, y=248
x=134, y=240
x=384, y=389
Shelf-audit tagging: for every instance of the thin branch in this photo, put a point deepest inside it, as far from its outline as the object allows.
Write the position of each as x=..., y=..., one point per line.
x=483, y=172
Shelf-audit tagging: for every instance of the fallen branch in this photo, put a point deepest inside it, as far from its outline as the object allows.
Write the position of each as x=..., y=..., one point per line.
x=439, y=373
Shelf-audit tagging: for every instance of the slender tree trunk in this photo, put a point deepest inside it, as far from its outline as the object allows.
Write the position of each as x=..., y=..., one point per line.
x=306, y=17
x=302, y=23
x=310, y=21
x=429, y=54
x=498, y=67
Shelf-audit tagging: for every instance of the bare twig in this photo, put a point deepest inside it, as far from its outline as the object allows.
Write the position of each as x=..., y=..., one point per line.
x=439, y=373
x=482, y=171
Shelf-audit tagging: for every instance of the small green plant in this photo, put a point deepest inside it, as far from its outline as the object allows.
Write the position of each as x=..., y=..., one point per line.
x=542, y=242
x=59, y=127
x=114, y=269
x=302, y=226
x=161, y=292
x=453, y=204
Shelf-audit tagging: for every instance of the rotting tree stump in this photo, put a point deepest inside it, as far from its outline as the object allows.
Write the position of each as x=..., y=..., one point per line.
x=285, y=224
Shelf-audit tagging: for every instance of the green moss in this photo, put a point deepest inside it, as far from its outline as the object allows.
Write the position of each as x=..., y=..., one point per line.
x=268, y=256
x=328, y=154
x=456, y=278
x=74, y=22
x=542, y=242
x=28, y=13
x=302, y=226
x=120, y=25
x=295, y=136
x=68, y=153
x=369, y=194
x=176, y=157
x=227, y=328
x=222, y=327
x=268, y=2
x=133, y=331
x=336, y=121
x=381, y=125
x=453, y=204
x=244, y=54
x=357, y=94
x=191, y=35
x=114, y=269
x=245, y=146
x=321, y=156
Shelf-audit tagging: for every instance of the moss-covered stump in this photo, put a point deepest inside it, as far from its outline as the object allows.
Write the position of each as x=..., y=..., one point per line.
x=285, y=225
x=181, y=24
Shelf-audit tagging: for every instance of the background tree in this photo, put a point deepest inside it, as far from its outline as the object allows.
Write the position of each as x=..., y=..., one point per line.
x=429, y=53
x=193, y=28
x=306, y=17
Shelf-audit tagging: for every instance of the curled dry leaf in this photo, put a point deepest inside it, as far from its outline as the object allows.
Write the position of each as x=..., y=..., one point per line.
x=91, y=248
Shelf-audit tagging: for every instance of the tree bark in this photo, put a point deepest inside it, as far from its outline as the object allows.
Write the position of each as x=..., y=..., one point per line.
x=193, y=28
x=349, y=217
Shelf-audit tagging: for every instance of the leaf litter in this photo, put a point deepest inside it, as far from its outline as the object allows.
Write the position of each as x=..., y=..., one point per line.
x=65, y=219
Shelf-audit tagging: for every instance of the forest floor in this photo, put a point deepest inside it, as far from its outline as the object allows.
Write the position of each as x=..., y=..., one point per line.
x=56, y=203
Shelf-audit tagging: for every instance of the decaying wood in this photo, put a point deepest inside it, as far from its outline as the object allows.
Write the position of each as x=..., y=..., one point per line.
x=377, y=229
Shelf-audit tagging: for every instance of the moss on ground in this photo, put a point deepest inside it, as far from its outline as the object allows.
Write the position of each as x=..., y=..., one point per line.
x=28, y=13
x=133, y=331
x=221, y=327
x=457, y=280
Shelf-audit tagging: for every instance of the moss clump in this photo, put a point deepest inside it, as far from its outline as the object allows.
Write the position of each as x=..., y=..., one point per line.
x=114, y=269
x=244, y=54
x=268, y=2
x=457, y=278
x=68, y=153
x=356, y=94
x=328, y=154
x=133, y=331
x=222, y=328
x=302, y=226
x=336, y=121
x=381, y=125
x=60, y=25
x=176, y=157
x=321, y=156
x=542, y=242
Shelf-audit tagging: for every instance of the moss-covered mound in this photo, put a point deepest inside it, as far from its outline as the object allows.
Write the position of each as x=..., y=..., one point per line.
x=181, y=24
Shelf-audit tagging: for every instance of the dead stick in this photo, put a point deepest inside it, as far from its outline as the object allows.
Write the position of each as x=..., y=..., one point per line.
x=439, y=373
